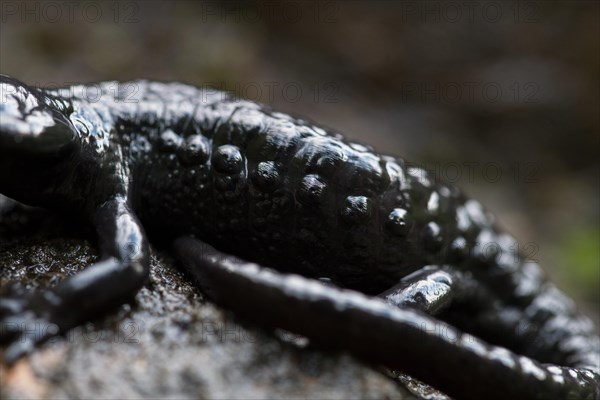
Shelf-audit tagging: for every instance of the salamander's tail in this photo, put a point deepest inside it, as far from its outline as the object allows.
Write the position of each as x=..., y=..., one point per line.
x=457, y=363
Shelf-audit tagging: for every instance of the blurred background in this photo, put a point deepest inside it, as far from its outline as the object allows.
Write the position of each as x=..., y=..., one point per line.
x=500, y=97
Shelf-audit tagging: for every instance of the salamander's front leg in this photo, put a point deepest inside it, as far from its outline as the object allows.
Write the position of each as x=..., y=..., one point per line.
x=30, y=318
x=429, y=290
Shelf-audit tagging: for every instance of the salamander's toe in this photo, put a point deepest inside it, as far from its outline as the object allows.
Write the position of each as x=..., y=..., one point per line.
x=23, y=323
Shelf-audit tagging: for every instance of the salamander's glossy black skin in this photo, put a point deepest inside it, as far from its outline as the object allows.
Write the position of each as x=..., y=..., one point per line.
x=175, y=161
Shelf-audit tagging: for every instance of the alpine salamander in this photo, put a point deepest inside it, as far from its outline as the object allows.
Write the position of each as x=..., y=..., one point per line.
x=260, y=206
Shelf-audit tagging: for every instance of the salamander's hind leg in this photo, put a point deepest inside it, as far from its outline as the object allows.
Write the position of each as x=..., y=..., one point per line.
x=29, y=318
x=429, y=289
x=399, y=338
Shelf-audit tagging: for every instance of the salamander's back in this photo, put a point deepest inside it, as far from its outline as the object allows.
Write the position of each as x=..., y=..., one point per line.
x=279, y=190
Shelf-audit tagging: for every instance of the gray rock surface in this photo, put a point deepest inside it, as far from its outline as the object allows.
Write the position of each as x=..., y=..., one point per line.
x=167, y=343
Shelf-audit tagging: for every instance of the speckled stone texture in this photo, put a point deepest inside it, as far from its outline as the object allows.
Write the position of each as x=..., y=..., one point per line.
x=167, y=343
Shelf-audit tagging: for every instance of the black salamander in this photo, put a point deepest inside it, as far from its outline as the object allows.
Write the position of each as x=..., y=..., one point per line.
x=259, y=206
